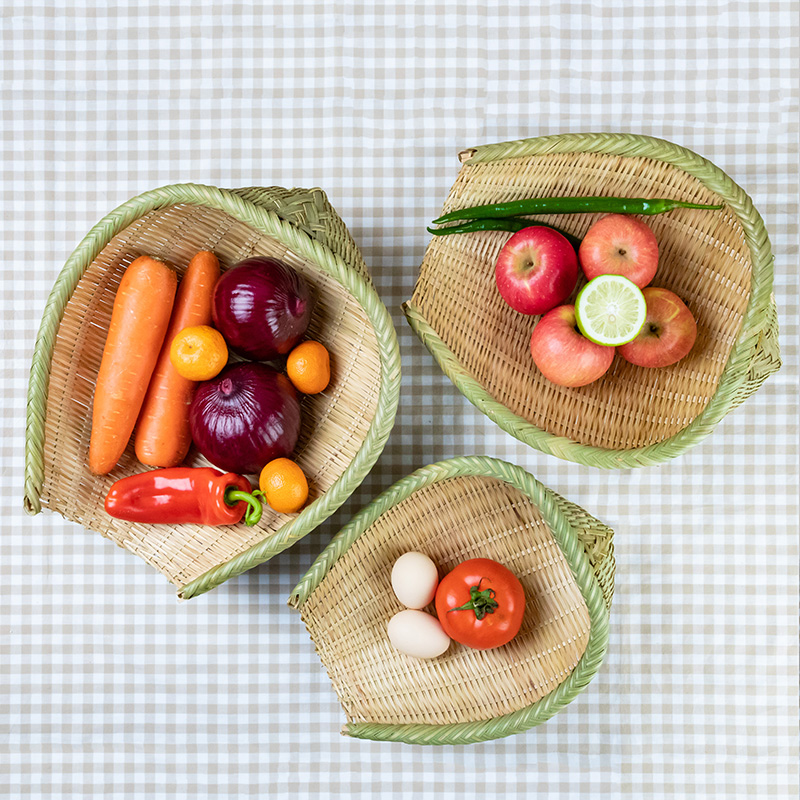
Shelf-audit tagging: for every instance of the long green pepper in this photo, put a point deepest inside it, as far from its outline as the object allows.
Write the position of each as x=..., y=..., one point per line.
x=504, y=224
x=570, y=205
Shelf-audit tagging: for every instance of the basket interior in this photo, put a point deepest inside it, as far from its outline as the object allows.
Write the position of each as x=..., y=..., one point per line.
x=450, y=520
x=704, y=259
x=335, y=422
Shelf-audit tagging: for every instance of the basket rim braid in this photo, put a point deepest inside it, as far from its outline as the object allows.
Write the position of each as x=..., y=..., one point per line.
x=737, y=381
x=267, y=222
x=550, y=506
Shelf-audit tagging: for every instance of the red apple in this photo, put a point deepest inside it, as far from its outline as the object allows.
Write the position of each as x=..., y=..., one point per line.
x=563, y=354
x=668, y=333
x=620, y=245
x=536, y=270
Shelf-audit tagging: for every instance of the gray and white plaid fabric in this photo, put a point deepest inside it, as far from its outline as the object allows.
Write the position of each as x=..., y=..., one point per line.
x=109, y=688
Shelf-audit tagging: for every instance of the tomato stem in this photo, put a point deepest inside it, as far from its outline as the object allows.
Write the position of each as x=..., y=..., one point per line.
x=481, y=602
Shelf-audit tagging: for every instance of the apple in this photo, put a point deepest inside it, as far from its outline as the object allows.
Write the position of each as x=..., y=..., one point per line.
x=563, y=354
x=620, y=245
x=668, y=333
x=536, y=270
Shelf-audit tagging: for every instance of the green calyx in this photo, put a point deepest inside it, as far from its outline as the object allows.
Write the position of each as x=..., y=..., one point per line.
x=482, y=602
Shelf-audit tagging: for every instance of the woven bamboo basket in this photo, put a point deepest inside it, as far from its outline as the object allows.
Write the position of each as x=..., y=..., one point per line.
x=719, y=262
x=467, y=507
x=344, y=429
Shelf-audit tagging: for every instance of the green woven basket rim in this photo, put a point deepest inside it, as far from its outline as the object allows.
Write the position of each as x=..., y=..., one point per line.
x=574, y=553
x=735, y=372
x=270, y=224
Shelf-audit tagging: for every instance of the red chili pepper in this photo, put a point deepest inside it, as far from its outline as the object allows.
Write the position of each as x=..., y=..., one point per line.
x=184, y=495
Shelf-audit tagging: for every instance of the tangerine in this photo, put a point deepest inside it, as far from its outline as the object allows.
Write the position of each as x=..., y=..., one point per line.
x=284, y=485
x=198, y=352
x=309, y=367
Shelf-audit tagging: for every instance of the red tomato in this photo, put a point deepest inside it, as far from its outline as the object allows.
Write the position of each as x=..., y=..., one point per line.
x=480, y=604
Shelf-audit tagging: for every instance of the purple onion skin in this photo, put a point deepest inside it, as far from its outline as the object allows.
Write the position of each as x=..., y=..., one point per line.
x=262, y=307
x=245, y=417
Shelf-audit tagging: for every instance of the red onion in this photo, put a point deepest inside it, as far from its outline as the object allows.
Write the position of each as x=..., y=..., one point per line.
x=262, y=307
x=245, y=417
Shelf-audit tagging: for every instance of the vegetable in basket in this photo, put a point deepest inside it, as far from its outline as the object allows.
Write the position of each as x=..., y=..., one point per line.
x=504, y=224
x=480, y=604
x=570, y=205
x=179, y=495
x=262, y=307
x=245, y=417
x=162, y=435
x=139, y=320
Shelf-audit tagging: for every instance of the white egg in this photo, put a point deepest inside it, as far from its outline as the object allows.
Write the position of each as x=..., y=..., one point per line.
x=418, y=634
x=414, y=579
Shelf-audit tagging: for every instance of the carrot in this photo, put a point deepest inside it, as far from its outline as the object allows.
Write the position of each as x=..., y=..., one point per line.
x=162, y=436
x=139, y=321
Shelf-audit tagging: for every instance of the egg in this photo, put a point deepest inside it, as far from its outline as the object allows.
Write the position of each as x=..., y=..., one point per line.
x=417, y=634
x=414, y=579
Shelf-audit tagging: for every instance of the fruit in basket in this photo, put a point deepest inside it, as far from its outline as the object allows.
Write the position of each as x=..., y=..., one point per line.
x=198, y=353
x=284, y=485
x=309, y=367
x=417, y=634
x=414, y=579
x=536, y=270
x=668, y=334
x=163, y=436
x=618, y=244
x=610, y=310
x=245, y=417
x=563, y=354
x=262, y=307
x=139, y=320
x=480, y=604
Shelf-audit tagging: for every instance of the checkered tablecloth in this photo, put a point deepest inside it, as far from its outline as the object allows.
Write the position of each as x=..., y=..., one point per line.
x=109, y=688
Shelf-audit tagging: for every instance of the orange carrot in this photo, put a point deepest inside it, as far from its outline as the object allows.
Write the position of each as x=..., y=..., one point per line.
x=162, y=432
x=139, y=321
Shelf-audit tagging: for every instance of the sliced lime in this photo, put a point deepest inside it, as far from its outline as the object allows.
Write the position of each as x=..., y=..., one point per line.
x=610, y=310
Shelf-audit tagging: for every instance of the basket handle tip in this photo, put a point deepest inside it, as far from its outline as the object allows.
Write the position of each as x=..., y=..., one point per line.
x=32, y=505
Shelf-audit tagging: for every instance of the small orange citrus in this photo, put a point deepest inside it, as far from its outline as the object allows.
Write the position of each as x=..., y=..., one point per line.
x=284, y=485
x=309, y=367
x=198, y=352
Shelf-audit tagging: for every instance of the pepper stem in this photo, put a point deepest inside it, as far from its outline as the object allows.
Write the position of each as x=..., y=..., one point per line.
x=684, y=204
x=481, y=602
x=255, y=507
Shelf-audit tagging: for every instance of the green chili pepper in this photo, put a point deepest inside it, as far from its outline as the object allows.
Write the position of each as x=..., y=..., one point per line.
x=505, y=224
x=570, y=205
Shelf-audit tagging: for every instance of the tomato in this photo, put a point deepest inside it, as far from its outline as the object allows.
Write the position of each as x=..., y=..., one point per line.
x=480, y=604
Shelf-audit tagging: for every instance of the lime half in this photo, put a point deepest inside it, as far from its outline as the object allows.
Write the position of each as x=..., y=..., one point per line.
x=610, y=310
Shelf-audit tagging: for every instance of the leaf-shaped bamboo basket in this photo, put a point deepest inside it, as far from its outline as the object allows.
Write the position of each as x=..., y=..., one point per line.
x=344, y=429
x=719, y=262
x=467, y=507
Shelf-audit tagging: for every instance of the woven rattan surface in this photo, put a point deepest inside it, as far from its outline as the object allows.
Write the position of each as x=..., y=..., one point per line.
x=335, y=423
x=704, y=256
x=452, y=513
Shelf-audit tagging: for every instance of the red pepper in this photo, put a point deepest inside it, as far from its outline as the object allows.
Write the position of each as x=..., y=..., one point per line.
x=184, y=495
